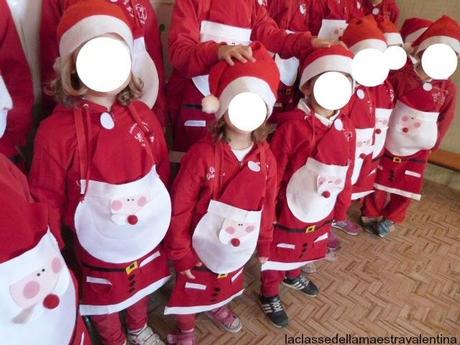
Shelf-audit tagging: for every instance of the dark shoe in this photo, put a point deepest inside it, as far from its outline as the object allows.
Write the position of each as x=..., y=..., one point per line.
x=303, y=284
x=274, y=310
x=384, y=227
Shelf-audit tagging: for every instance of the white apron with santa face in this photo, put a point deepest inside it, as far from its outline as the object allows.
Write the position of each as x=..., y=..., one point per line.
x=364, y=147
x=37, y=297
x=382, y=118
x=288, y=68
x=411, y=130
x=226, y=237
x=121, y=223
x=313, y=189
x=219, y=33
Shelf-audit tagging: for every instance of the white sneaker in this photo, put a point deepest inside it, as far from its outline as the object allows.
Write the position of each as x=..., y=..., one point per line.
x=144, y=337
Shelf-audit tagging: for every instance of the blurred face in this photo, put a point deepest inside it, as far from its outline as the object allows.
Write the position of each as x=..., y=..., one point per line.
x=438, y=61
x=330, y=90
x=103, y=64
x=247, y=111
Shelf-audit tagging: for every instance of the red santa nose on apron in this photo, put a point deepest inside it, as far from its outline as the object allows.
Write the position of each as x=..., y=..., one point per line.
x=132, y=219
x=51, y=301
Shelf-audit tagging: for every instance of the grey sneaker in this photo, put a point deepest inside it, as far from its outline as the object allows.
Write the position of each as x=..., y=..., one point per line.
x=145, y=337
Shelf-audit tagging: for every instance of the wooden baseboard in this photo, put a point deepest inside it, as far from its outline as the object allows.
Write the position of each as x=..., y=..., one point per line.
x=446, y=159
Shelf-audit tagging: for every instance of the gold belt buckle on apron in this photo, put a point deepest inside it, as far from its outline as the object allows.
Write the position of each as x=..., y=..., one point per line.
x=131, y=268
x=223, y=275
x=309, y=229
x=397, y=159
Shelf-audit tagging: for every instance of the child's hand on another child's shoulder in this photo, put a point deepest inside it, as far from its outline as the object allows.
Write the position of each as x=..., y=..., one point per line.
x=238, y=52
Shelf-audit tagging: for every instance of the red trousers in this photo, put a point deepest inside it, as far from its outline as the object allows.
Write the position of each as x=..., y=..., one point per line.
x=388, y=205
x=110, y=328
x=271, y=281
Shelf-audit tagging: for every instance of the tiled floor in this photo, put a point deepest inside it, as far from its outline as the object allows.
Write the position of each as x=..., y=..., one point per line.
x=404, y=285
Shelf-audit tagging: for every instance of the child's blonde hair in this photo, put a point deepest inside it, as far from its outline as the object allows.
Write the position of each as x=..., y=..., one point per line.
x=259, y=135
x=68, y=87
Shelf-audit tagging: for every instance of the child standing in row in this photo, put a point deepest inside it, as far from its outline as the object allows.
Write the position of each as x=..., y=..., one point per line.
x=314, y=149
x=143, y=20
x=424, y=111
x=204, y=32
x=223, y=200
x=101, y=162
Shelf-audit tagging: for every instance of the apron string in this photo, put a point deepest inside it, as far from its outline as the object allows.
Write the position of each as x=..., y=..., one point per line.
x=83, y=145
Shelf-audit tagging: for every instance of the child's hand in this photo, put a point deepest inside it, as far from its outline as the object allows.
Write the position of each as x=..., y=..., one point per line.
x=263, y=259
x=238, y=52
x=188, y=273
x=321, y=43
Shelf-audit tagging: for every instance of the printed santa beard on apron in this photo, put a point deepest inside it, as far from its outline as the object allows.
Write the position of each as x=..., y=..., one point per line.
x=121, y=223
x=219, y=33
x=313, y=189
x=364, y=148
x=37, y=297
x=411, y=130
x=382, y=118
x=226, y=237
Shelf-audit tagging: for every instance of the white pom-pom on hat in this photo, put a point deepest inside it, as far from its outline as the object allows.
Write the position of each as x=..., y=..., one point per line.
x=210, y=104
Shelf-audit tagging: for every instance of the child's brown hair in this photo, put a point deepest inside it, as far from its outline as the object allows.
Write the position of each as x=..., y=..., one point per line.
x=259, y=135
x=67, y=87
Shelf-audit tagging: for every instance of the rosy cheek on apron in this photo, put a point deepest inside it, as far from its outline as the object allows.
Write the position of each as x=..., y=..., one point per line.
x=36, y=301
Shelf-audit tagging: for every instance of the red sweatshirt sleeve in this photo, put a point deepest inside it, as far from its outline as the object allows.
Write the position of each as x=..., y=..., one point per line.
x=281, y=148
x=344, y=199
x=153, y=46
x=185, y=195
x=190, y=57
x=268, y=213
x=52, y=11
x=47, y=176
x=265, y=30
x=18, y=80
x=447, y=113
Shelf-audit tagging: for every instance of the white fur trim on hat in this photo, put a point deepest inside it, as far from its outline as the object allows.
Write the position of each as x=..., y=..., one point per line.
x=416, y=34
x=91, y=27
x=450, y=41
x=210, y=104
x=246, y=84
x=327, y=63
x=5, y=99
x=393, y=38
x=372, y=43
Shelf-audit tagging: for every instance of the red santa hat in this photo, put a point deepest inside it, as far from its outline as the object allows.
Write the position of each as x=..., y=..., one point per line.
x=22, y=225
x=444, y=30
x=413, y=28
x=390, y=31
x=333, y=59
x=85, y=20
x=225, y=82
x=363, y=33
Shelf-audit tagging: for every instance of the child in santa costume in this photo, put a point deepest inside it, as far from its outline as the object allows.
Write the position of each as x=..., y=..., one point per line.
x=382, y=8
x=38, y=294
x=15, y=77
x=411, y=30
x=360, y=35
x=424, y=111
x=223, y=199
x=314, y=149
x=202, y=33
x=101, y=161
x=147, y=49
